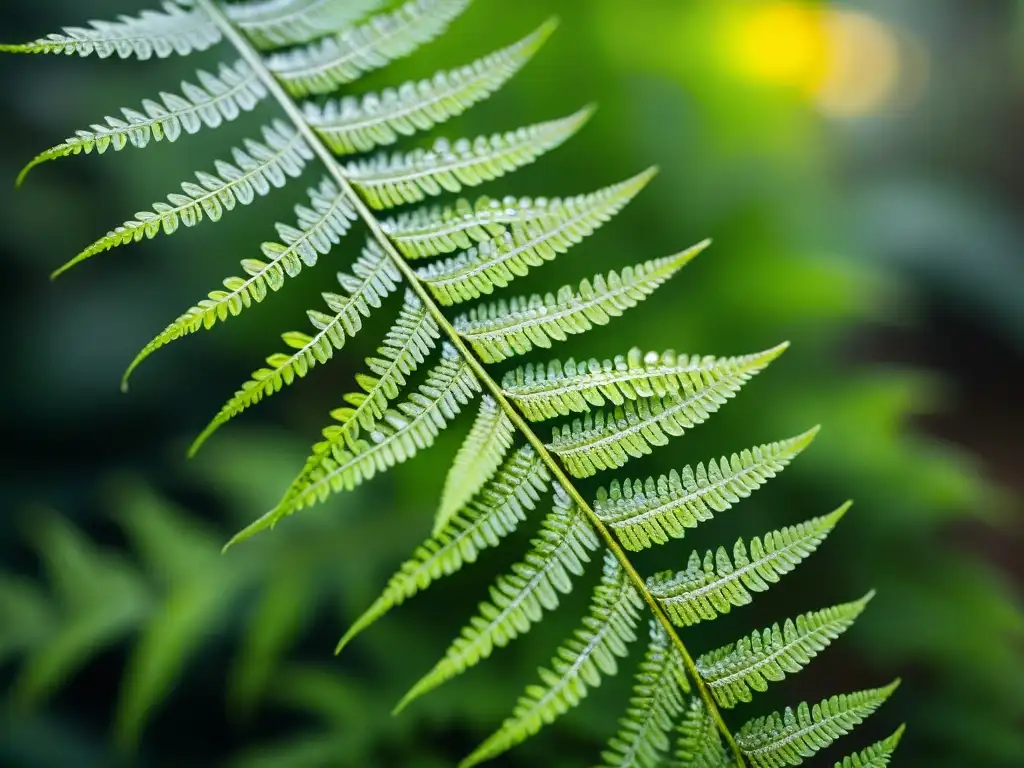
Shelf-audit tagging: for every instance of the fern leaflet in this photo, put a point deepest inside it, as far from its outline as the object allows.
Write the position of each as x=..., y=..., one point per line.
x=875, y=756
x=278, y=23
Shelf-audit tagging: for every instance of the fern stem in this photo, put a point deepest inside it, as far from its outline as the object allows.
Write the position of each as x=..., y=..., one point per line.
x=291, y=109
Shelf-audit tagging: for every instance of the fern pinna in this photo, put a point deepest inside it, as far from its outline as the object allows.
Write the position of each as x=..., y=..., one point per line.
x=300, y=54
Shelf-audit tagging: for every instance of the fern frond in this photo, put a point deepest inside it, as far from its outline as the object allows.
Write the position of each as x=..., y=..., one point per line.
x=277, y=23
x=496, y=263
x=658, y=699
x=788, y=738
x=494, y=514
x=513, y=327
x=877, y=755
x=176, y=29
x=593, y=651
x=373, y=277
x=699, y=744
x=547, y=391
x=319, y=228
x=735, y=671
x=519, y=598
x=219, y=98
x=412, y=426
x=328, y=64
x=608, y=439
x=478, y=459
x=714, y=584
x=388, y=181
x=643, y=514
x=258, y=169
x=359, y=124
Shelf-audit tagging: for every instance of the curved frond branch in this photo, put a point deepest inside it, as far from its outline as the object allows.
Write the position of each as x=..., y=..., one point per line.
x=714, y=584
x=412, y=426
x=216, y=100
x=877, y=755
x=176, y=29
x=277, y=23
x=481, y=454
x=514, y=327
x=658, y=700
x=388, y=181
x=359, y=124
x=483, y=523
x=257, y=170
x=319, y=228
x=373, y=278
x=328, y=64
x=735, y=671
x=592, y=652
x=643, y=514
x=496, y=263
x=699, y=743
x=788, y=738
x=547, y=391
x=519, y=598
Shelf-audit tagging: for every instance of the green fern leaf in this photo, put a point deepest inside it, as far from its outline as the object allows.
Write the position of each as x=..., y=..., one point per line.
x=658, y=699
x=735, y=671
x=328, y=64
x=319, y=228
x=714, y=584
x=496, y=263
x=260, y=168
x=593, y=651
x=217, y=99
x=359, y=124
x=277, y=23
x=373, y=278
x=494, y=514
x=478, y=459
x=506, y=328
x=608, y=439
x=519, y=598
x=789, y=738
x=387, y=181
x=547, y=391
x=643, y=514
x=876, y=756
x=177, y=29
x=699, y=743
x=411, y=427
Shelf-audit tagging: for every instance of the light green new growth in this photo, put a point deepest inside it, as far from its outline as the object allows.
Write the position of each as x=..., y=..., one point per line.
x=735, y=671
x=478, y=459
x=388, y=181
x=177, y=29
x=593, y=650
x=519, y=599
x=622, y=408
x=514, y=327
x=658, y=701
x=643, y=514
x=257, y=170
x=608, y=439
x=217, y=99
x=877, y=755
x=715, y=584
x=359, y=124
x=278, y=23
x=325, y=65
x=496, y=263
x=789, y=738
x=494, y=514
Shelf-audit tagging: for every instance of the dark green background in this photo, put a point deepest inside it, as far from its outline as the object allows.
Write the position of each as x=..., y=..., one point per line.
x=886, y=248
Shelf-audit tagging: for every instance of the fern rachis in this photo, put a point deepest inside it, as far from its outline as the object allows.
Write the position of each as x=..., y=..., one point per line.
x=654, y=397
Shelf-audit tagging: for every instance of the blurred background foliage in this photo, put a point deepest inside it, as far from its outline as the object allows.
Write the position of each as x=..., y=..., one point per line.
x=855, y=164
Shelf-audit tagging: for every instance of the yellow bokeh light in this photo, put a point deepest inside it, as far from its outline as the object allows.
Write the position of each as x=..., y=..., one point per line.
x=782, y=43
